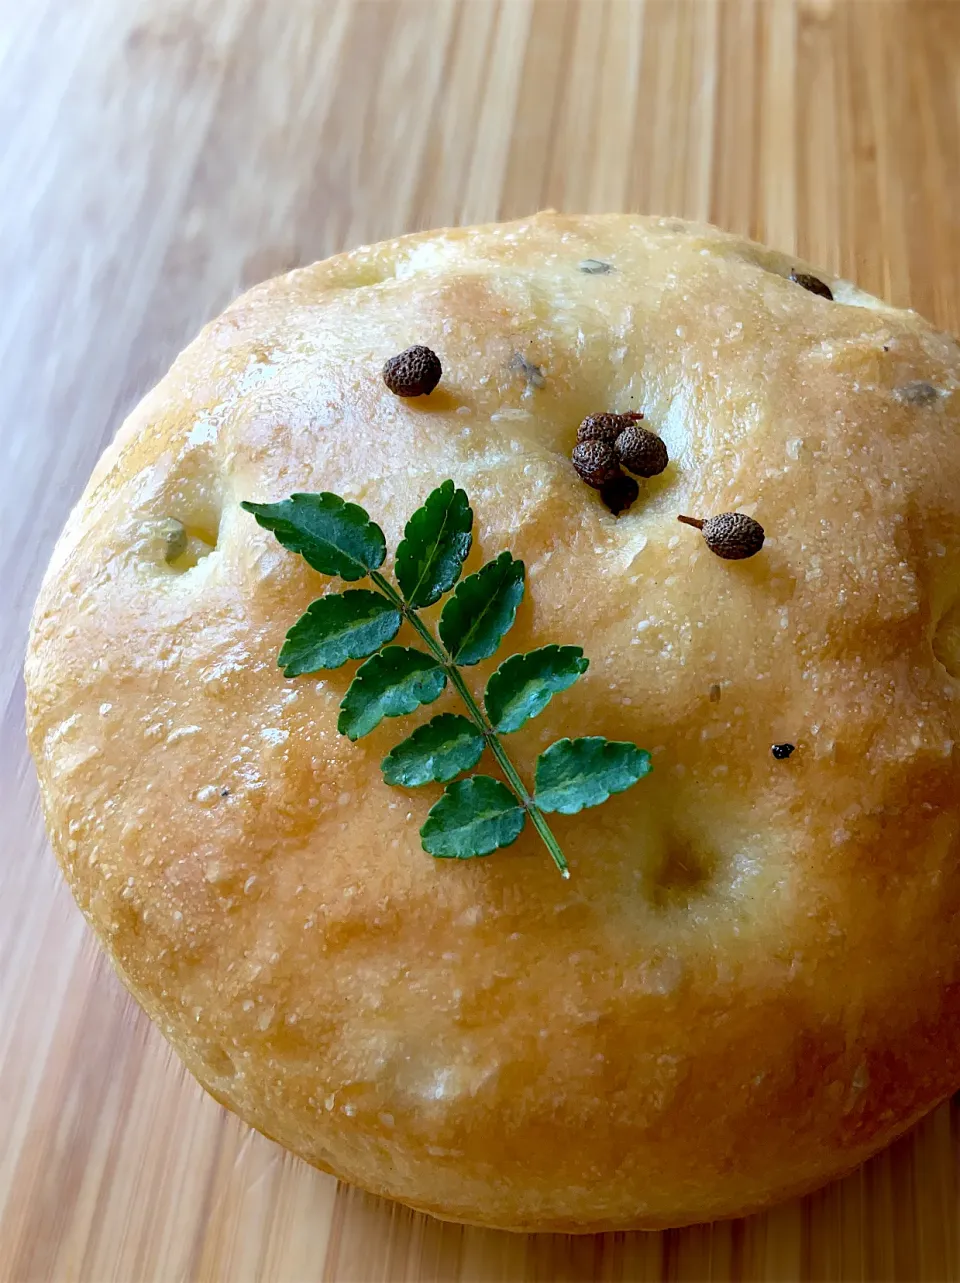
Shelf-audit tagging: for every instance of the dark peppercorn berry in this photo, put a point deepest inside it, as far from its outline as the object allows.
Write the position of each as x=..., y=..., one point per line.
x=619, y=494
x=782, y=751
x=812, y=283
x=606, y=427
x=596, y=462
x=731, y=535
x=415, y=372
x=641, y=452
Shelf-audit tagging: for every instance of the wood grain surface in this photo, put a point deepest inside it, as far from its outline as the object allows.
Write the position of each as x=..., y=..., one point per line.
x=159, y=155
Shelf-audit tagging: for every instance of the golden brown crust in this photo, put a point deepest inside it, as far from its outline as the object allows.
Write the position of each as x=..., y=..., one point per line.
x=751, y=980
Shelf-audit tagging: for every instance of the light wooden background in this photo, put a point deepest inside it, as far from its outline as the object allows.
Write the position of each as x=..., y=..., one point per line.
x=158, y=155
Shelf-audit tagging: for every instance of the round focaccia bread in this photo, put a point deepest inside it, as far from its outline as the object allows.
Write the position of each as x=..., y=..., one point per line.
x=751, y=980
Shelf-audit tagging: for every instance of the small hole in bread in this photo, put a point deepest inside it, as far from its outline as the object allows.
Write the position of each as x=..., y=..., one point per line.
x=683, y=873
x=178, y=544
x=359, y=270
x=199, y=543
x=218, y=1063
x=946, y=639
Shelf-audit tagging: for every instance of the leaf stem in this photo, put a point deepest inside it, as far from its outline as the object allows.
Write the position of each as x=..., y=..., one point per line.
x=480, y=718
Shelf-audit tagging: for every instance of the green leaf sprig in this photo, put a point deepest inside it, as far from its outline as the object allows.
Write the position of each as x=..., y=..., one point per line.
x=478, y=814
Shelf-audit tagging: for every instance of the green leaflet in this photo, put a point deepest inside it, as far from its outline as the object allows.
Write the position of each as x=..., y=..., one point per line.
x=474, y=817
x=572, y=774
x=435, y=544
x=435, y=752
x=336, y=628
x=331, y=535
x=395, y=681
x=482, y=610
x=524, y=685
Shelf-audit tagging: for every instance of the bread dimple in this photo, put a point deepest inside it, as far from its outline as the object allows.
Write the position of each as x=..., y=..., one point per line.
x=749, y=982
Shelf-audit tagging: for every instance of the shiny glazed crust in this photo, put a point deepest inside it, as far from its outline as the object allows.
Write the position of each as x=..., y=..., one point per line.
x=750, y=982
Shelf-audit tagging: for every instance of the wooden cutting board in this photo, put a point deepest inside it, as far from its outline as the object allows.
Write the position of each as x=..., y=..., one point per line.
x=159, y=155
